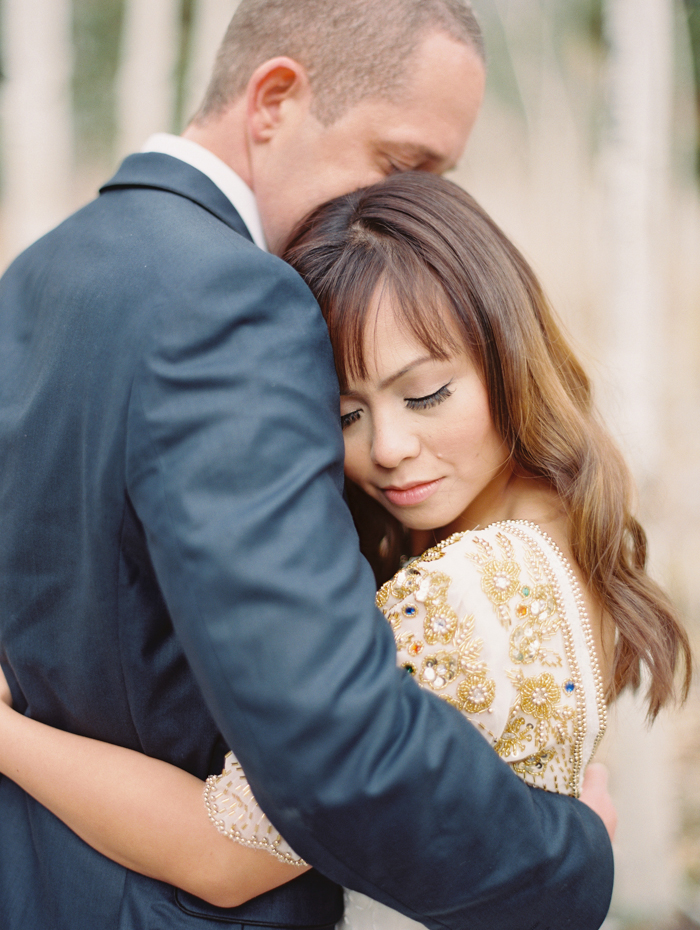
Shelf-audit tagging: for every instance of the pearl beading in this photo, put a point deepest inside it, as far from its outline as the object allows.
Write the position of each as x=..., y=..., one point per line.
x=518, y=527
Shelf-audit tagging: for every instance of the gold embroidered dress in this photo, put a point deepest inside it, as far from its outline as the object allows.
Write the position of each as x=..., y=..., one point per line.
x=492, y=621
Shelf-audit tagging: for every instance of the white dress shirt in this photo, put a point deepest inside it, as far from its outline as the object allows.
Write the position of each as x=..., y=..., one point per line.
x=225, y=178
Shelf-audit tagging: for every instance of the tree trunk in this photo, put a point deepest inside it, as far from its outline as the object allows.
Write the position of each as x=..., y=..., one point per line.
x=37, y=118
x=211, y=18
x=640, y=36
x=146, y=78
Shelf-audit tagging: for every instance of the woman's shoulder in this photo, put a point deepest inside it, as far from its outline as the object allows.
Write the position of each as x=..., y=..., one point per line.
x=503, y=556
x=494, y=622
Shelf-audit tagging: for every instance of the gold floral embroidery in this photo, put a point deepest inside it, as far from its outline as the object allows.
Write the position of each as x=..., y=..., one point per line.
x=403, y=584
x=407, y=642
x=432, y=555
x=546, y=720
x=535, y=765
x=413, y=590
x=540, y=697
x=500, y=578
x=476, y=693
x=440, y=670
x=440, y=624
x=541, y=622
x=516, y=734
x=382, y=596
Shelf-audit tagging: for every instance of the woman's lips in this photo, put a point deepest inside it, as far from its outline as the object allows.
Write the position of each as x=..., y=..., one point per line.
x=411, y=494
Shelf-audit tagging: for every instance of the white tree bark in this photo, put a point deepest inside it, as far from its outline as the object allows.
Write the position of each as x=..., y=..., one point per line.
x=146, y=79
x=640, y=34
x=211, y=19
x=37, y=118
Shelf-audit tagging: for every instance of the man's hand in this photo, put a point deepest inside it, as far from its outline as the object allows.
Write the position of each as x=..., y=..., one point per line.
x=5, y=696
x=594, y=793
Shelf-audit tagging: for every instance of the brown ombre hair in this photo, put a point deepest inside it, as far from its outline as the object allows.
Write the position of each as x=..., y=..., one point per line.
x=432, y=247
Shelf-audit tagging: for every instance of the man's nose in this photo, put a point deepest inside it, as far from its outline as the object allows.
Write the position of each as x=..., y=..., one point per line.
x=392, y=442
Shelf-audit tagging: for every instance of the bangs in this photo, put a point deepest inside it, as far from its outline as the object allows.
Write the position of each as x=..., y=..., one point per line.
x=372, y=269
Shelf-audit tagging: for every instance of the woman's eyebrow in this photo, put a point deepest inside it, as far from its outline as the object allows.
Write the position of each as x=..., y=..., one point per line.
x=345, y=391
x=404, y=371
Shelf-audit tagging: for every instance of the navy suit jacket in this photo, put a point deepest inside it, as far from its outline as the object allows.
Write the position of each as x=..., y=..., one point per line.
x=177, y=563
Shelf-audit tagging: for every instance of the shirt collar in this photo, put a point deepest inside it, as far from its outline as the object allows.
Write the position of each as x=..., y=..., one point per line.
x=225, y=178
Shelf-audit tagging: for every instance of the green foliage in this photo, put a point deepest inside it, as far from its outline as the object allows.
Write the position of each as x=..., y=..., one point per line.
x=186, y=21
x=595, y=21
x=692, y=8
x=97, y=27
x=96, y=35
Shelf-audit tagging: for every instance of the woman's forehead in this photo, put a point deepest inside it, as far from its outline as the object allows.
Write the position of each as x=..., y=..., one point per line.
x=391, y=345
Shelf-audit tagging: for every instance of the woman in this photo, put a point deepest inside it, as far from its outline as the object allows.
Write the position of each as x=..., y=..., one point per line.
x=470, y=438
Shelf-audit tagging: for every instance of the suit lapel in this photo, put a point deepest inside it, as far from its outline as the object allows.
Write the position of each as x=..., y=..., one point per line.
x=163, y=172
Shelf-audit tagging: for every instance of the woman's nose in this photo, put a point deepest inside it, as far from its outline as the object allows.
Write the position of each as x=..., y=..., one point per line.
x=392, y=443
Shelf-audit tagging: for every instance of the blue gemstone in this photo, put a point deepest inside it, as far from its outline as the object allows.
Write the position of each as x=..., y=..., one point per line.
x=569, y=687
x=409, y=611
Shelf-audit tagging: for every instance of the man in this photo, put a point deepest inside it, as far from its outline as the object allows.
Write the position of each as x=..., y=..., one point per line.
x=173, y=517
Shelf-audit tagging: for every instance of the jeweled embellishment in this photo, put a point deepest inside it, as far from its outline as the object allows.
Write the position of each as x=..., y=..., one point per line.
x=569, y=686
x=476, y=693
x=415, y=649
x=500, y=580
x=439, y=670
x=441, y=627
x=382, y=595
x=432, y=555
x=535, y=764
x=411, y=669
x=525, y=644
x=516, y=735
x=540, y=696
x=440, y=623
x=410, y=611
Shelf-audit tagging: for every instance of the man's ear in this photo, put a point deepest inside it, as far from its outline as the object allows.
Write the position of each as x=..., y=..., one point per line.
x=275, y=86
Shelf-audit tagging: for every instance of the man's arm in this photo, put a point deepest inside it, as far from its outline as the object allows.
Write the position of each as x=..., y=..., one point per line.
x=235, y=470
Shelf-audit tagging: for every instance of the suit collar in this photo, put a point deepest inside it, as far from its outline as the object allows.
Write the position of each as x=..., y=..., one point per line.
x=163, y=172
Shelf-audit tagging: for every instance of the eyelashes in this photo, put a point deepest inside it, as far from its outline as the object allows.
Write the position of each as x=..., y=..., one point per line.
x=430, y=400
x=413, y=403
x=347, y=419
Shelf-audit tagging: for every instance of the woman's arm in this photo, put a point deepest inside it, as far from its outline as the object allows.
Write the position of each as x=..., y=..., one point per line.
x=143, y=813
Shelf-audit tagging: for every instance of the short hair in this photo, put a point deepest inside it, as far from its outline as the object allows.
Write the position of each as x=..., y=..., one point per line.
x=351, y=49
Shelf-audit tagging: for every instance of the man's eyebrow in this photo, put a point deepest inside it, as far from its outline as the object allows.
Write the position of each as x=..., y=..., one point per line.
x=414, y=150
x=392, y=378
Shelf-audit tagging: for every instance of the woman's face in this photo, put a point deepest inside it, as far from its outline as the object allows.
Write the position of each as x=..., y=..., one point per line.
x=418, y=432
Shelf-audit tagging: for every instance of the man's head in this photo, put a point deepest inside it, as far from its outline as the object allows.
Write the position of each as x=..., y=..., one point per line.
x=313, y=99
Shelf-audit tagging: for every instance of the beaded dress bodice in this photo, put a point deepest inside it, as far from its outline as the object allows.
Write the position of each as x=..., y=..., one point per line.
x=493, y=622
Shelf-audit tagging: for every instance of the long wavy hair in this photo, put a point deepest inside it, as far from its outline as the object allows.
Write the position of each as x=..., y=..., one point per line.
x=434, y=249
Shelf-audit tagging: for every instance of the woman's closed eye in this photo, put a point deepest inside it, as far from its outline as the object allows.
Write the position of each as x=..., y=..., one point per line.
x=347, y=419
x=430, y=400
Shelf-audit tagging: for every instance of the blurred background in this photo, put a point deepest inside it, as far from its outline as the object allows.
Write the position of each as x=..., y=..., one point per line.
x=588, y=155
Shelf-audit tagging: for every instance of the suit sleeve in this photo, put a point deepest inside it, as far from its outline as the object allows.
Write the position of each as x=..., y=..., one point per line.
x=234, y=465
